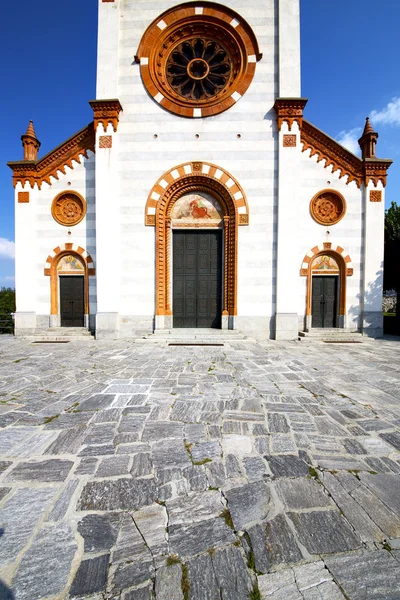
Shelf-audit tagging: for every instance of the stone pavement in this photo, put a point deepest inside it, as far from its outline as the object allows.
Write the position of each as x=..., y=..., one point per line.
x=139, y=472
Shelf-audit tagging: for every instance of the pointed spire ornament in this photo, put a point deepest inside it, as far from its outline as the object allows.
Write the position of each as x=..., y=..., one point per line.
x=30, y=143
x=367, y=141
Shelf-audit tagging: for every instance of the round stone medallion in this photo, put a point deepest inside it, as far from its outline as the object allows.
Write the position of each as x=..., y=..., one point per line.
x=328, y=207
x=68, y=208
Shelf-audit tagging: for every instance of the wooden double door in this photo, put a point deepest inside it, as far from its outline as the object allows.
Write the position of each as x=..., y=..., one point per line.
x=72, y=300
x=324, y=300
x=197, y=278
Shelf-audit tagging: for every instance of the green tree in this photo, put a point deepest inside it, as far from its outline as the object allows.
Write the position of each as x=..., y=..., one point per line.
x=392, y=255
x=7, y=306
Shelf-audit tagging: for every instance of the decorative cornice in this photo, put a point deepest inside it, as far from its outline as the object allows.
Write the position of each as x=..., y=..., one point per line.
x=375, y=170
x=289, y=110
x=335, y=155
x=105, y=112
x=35, y=172
x=341, y=159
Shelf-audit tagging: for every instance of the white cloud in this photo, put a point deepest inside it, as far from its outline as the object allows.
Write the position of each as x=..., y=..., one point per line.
x=7, y=248
x=349, y=139
x=390, y=115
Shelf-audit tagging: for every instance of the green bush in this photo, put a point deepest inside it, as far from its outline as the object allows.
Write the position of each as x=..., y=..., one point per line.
x=7, y=307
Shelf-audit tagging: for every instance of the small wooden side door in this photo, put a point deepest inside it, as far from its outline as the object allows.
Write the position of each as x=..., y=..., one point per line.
x=72, y=300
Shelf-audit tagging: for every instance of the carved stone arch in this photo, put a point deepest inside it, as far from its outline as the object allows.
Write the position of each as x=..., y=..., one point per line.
x=214, y=175
x=345, y=270
x=160, y=204
x=50, y=269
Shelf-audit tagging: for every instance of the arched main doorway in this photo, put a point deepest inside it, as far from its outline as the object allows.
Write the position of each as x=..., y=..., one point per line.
x=196, y=209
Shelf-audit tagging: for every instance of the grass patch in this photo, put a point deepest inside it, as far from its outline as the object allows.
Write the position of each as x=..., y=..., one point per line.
x=313, y=473
x=251, y=561
x=188, y=447
x=185, y=583
x=202, y=462
x=255, y=593
x=50, y=419
x=173, y=560
x=226, y=515
x=355, y=472
x=387, y=546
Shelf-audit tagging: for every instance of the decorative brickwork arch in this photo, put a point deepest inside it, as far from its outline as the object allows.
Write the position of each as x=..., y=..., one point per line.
x=50, y=269
x=215, y=175
x=196, y=178
x=345, y=269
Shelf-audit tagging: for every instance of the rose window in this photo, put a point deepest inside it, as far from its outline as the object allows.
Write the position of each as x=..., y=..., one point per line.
x=197, y=61
x=68, y=208
x=328, y=207
x=198, y=68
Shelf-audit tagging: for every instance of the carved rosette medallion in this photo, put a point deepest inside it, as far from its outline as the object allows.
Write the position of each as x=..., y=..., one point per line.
x=197, y=62
x=328, y=207
x=68, y=208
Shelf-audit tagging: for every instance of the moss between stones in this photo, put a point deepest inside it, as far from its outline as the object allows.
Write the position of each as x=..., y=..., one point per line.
x=185, y=583
x=226, y=515
x=255, y=593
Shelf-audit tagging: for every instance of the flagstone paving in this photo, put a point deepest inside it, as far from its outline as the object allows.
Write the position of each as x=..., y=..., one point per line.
x=134, y=471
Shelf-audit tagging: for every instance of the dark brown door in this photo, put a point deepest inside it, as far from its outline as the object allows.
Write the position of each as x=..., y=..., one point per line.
x=72, y=300
x=197, y=281
x=324, y=300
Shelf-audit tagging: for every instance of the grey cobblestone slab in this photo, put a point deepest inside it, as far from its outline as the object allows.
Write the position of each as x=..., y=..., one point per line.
x=45, y=567
x=386, y=487
x=189, y=540
x=298, y=494
x=354, y=513
x=121, y=494
x=168, y=584
x=324, y=532
x=91, y=576
x=195, y=508
x=67, y=442
x=287, y=466
x=62, y=504
x=19, y=517
x=43, y=471
x=248, y=503
x=372, y=575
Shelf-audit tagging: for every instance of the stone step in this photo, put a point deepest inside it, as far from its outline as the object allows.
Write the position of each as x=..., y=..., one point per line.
x=331, y=335
x=61, y=334
x=177, y=332
x=316, y=331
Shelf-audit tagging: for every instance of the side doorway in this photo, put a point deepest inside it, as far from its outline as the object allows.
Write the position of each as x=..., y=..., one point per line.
x=72, y=300
x=324, y=304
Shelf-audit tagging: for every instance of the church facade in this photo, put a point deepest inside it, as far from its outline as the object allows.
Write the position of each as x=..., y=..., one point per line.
x=199, y=196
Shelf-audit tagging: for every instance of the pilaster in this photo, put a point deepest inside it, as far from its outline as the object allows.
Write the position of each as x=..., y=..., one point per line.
x=25, y=260
x=289, y=118
x=107, y=49
x=374, y=224
x=108, y=256
x=289, y=48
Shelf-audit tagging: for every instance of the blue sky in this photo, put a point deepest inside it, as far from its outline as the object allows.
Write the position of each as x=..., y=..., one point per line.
x=350, y=57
